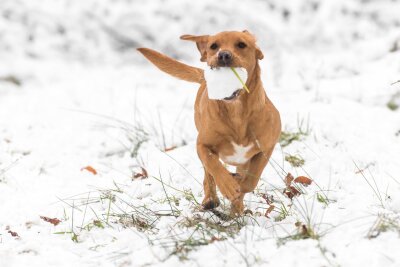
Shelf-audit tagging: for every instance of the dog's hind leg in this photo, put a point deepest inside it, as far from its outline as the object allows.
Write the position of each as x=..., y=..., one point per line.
x=237, y=206
x=210, y=200
x=249, y=176
x=256, y=166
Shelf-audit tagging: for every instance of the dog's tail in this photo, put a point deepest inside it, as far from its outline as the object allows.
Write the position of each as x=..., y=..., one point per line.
x=173, y=67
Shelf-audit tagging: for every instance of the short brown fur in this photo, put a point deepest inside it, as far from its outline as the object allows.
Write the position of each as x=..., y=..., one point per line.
x=250, y=120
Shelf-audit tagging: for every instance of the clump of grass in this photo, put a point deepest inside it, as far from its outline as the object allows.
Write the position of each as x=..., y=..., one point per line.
x=372, y=184
x=110, y=203
x=295, y=161
x=393, y=103
x=204, y=231
x=384, y=223
x=303, y=130
x=137, y=137
x=93, y=224
x=183, y=247
x=214, y=223
x=113, y=208
x=11, y=79
x=303, y=231
x=302, y=208
x=322, y=199
x=287, y=138
x=135, y=133
x=140, y=223
x=284, y=212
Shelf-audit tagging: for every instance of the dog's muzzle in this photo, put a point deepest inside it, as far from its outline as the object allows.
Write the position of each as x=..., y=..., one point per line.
x=224, y=58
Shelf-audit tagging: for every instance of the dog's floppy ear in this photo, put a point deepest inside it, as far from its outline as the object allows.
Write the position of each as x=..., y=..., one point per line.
x=201, y=42
x=259, y=54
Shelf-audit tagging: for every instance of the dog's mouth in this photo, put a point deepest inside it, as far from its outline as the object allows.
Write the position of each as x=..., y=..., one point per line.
x=224, y=64
x=224, y=83
x=218, y=66
x=233, y=96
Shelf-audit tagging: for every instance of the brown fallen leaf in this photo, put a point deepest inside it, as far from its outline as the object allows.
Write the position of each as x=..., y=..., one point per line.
x=303, y=180
x=288, y=179
x=53, y=221
x=12, y=233
x=303, y=230
x=15, y=234
x=269, y=210
x=214, y=238
x=291, y=192
x=169, y=148
x=248, y=212
x=90, y=169
x=268, y=198
x=141, y=175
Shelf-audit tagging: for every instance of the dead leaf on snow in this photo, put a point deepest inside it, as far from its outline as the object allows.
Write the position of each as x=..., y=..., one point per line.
x=291, y=192
x=90, y=169
x=268, y=198
x=53, y=221
x=12, y=233
x=141, y=175
x=303, y=180
x=288, y=179
x=269, y=210
x=169, y=148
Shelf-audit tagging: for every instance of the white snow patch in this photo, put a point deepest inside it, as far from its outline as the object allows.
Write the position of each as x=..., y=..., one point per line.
x=222, y=82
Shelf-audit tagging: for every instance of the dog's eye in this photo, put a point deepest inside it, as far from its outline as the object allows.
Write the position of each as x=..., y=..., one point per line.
x=214, y=46
x=241, y=45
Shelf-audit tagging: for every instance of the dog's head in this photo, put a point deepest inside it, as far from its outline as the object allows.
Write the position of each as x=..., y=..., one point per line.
x=228, y=49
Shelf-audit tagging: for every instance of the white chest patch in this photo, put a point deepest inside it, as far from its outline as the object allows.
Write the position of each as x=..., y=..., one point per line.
x=222, y=82
x=239, y=154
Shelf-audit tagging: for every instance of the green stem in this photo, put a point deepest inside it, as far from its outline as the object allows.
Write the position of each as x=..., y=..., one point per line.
x=240, y=79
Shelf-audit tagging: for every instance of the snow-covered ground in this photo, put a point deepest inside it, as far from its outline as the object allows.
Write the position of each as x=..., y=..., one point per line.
x=74, y=93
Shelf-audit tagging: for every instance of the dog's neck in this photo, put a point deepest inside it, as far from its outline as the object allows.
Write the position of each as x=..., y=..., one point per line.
x=256, y=98
x=237, y=114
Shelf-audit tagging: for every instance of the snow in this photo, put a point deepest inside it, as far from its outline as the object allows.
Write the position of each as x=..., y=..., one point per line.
x=222, y=82
x=75, y=93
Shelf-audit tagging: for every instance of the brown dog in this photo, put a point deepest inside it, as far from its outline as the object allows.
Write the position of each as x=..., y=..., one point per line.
x=241, y=131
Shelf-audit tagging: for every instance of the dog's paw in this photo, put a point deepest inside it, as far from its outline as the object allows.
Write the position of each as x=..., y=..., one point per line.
x=230, y=188
x=209, y=203
x=237, y=208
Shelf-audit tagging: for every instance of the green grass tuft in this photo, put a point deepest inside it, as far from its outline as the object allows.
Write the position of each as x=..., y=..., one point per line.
x=295, y=161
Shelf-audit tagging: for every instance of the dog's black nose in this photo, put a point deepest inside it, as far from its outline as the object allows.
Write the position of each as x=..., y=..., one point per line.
x=224, y=58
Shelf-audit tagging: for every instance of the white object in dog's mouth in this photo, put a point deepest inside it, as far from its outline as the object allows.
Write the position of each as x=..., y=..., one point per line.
x=222, y=83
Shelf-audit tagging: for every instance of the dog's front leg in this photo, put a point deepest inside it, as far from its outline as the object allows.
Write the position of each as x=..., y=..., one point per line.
x=210, y=200
x=225, y=181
